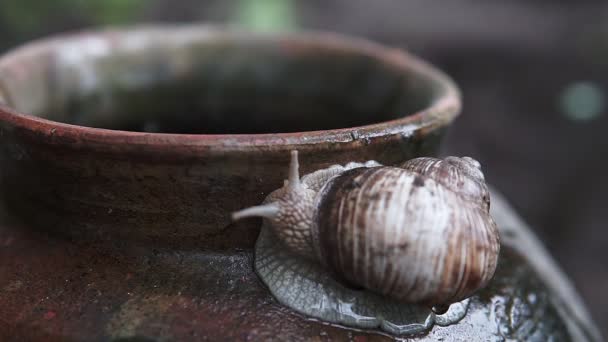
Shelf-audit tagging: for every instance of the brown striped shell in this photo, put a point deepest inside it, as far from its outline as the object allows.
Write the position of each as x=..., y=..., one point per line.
x=405, y=235
x=418, y=233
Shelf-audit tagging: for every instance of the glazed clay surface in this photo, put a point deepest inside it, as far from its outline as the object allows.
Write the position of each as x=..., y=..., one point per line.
x=153, y=134
x=54, y=290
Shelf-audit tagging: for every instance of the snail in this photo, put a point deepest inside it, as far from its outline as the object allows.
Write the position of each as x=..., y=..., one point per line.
x=418, y=233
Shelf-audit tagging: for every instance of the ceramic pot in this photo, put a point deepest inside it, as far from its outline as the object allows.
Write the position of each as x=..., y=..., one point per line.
x=154, y=135
x=123, y=153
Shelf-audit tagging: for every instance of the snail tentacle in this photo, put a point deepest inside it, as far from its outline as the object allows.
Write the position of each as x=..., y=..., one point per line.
x=294, y=172
x=269, y=211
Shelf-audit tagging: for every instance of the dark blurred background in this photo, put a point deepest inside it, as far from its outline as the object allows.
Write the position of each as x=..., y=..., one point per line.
x=534, y=75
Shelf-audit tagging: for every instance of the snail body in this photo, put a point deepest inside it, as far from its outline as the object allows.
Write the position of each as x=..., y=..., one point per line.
x=418, y=233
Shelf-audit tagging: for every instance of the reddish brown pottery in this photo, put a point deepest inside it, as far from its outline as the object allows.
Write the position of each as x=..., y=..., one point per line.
x=332, y=98
x=123, y=153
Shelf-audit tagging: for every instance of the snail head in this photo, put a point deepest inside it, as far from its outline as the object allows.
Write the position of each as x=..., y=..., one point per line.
x=289, y=210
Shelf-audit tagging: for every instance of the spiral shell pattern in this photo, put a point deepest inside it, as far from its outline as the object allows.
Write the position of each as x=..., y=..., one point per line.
x=461, y=175
x=403, y=234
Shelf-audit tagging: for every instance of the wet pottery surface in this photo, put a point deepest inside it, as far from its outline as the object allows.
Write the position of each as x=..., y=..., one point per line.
x=55, y=290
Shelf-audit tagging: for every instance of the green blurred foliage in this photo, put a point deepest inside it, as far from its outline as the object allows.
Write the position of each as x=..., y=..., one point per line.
x=23, y=17
x=266, y=15
x=112, y=11
x=22, y=20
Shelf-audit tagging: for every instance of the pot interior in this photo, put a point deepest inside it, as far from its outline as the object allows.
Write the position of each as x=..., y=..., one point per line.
x=174, y=82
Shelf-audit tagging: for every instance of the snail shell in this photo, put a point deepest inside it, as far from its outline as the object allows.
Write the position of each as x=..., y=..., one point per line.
x=418, y=233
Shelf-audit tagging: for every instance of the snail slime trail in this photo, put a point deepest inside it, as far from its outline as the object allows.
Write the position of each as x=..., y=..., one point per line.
x=377, y=227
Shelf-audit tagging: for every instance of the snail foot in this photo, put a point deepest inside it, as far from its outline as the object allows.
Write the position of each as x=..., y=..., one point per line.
x=307, y=288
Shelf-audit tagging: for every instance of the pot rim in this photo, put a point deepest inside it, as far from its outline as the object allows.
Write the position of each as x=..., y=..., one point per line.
x=444, y=106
